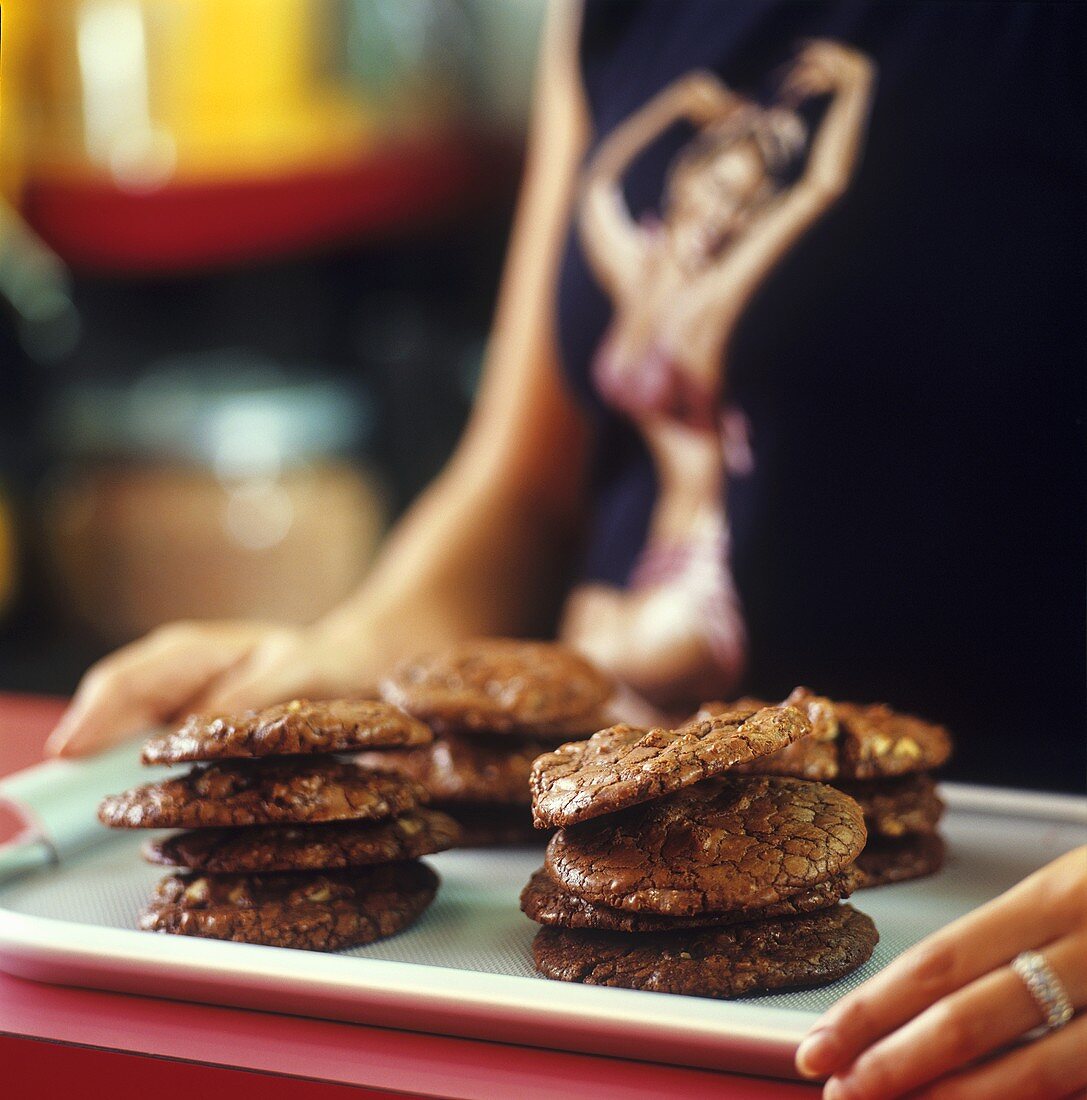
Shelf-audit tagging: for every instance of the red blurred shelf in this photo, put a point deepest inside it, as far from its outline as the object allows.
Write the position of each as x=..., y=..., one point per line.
x=38, y=1068
x=187, y=227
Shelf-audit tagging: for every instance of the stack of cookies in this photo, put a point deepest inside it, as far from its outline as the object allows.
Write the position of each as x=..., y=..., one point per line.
x=882, y=759
x=495, y=705
x=671, y=872
x=287, y=845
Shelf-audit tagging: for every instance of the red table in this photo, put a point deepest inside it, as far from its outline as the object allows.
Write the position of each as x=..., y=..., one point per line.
x=112, y=1044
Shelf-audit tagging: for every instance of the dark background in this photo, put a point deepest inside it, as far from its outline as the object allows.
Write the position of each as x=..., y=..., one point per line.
x=912, y=370
x=947, y=505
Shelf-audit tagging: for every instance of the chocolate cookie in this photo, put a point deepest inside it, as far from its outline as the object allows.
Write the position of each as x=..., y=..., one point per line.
x=483, y=826
x=336, y=844
x=284, y=791
x=467, y=769
x=877, y=742
x=546, y=902
x=738, y=842
x=886, y=860
x=622, y=766
x=812, y=757
x=298, y=727
x=849, y=741
x=894, y=807
x=324, y=912
x=795, y=953
x=499, y=685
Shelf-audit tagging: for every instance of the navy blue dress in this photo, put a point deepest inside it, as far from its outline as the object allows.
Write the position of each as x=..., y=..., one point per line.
x=912, y=371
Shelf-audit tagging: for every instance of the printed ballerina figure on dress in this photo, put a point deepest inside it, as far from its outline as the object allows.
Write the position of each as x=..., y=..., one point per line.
x=679, y=286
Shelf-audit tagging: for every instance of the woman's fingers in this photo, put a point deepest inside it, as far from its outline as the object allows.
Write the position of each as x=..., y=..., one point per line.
x=205, y=667
x=279, y=668
x=321, y=662
x=1039, y=909
x=987, y=1015
x=820, y=67
x=1049, y=1068
x=147, y=682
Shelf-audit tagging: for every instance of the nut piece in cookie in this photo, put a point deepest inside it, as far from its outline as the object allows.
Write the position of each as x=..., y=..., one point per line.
x=877, y=742
x=289, y=729
x=795, y=953
x=895, y=807
x=622, y=766
x=281, y=791
x=336, y=844
x=737, y=842
x=323, y=912
x=500, y=685
x=547, y=902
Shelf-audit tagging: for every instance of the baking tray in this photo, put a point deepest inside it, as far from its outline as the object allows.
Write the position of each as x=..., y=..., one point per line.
x=465, y=969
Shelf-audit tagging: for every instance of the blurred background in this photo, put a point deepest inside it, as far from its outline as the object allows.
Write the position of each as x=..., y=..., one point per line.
x=248, y=256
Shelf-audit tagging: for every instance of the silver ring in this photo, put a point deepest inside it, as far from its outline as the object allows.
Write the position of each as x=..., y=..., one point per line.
x=1045, y=987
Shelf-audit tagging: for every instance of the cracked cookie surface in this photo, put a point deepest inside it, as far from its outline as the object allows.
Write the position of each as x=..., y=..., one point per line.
x=894, y=807
x=728, y=843
x=501, y=685
x=794, y=953
x=336, y=844
x=288, y=790
x=458, y=768
x=546, y=902
x=289, y=729
x=622, y=766
x=323, y=912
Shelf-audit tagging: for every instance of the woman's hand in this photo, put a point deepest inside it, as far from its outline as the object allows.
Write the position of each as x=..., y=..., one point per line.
x=938, y=1021
x=215, y=666
x=821, y=68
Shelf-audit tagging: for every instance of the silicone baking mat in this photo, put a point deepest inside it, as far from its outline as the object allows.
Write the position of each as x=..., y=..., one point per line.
x=466, y=967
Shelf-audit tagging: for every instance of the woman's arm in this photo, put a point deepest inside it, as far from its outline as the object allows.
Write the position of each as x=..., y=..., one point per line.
x=827, y=68
x=822, y=68
x=482, y=549
x=472, y=555
x=611, y=238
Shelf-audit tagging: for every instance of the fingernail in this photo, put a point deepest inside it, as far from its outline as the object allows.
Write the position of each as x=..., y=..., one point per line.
x=55, y=742
x=65, y=735
x=816, y=1053
x=61, y=747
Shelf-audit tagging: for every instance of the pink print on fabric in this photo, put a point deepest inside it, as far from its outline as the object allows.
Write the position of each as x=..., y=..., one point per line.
x=679, y=284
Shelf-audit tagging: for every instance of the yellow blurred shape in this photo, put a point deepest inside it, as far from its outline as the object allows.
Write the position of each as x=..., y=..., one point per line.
x=144, y=90
x=19, y=20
